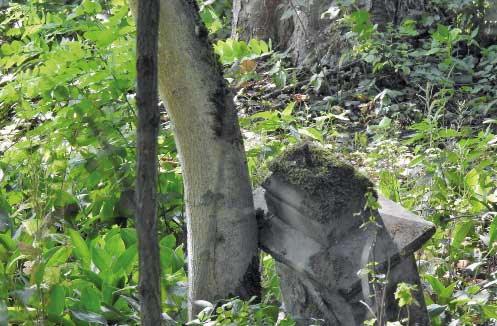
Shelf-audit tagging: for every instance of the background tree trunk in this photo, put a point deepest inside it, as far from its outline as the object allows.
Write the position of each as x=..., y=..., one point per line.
x=223, y=256
x=146, y=183
x=297, y=26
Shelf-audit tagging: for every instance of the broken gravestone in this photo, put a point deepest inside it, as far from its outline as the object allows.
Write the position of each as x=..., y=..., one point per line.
x=339, y=258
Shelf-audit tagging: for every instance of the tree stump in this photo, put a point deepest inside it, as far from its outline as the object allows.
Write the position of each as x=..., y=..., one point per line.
x=318, y=227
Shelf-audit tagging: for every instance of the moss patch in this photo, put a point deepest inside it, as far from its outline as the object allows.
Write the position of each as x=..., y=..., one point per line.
x=331, y=183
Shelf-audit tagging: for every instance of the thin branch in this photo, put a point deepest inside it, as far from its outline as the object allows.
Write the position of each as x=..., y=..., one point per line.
x=147, y=166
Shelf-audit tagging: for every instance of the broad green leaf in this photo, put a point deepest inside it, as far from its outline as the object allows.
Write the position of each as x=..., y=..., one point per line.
x=435, y=283
x=288, y=109
x=114, y=245
x=265, y=115
x=80, y=248
x=385, y=123
x=91, y=299
x=60, y=256
x=166, y=258
x=360, y=17
x=460, y=231
x=60, y=93
x=472, y=178
x=448, y=133
x=169, y=241
x=7, y=242
x=129, y=236
x=102, y=38
x=435, y=310
x=56, y=301
x=447, y=292
x=265, y=48
x=254, y=46
x=490, y=311
x=89, y=317
x=92, y=277
x=107, y=210
x=100, y=258
x=311, y=133
x=125, y=261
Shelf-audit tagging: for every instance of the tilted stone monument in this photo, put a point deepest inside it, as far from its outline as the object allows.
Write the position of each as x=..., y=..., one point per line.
x=315, y=221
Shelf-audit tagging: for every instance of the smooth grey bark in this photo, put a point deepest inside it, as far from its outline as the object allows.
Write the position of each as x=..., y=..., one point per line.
x=309, y=38
x=222, y=241
x=146, y=182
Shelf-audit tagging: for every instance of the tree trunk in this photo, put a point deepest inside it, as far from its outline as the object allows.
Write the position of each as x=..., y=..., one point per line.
x=223, y=256
x=297, y=25
x=146, y=183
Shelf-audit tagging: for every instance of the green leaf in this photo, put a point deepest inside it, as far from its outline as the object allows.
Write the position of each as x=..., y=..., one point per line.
x=107, y=210
x=60, y=93
x=114, y=245
x=447, y=292
x=404, y=294
x=493, y=232
x=170, y=259
x=360, y=16
x=91, y=298
x=263, y=46
x=56, y=301
x=460, y=231
x=100, y=258
x=80, y=248
x=166, y=258
x=472, y=178
x=435, y=283
x=89, y=317
x=311, y=133
x=60, y=256
x=91, y=7
x=102, y=38
x=129, y=236
x=288, y=109
x=126, y=261
x=490, y=311
x=254, y=46
x=268, y=115
x=435, y=310
x=92, y=277
x=169, y=241
x=385, y=123
x=7, y=242
x=389, y=186
x=448, y=133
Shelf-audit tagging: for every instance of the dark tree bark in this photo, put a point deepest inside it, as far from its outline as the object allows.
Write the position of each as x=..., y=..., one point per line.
x=297, y=25
x=146, y=183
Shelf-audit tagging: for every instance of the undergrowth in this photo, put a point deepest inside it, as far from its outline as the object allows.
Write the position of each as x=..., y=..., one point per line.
x=415, y=110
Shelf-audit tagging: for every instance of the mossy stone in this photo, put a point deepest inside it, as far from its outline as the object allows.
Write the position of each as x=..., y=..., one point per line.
x=328, y=181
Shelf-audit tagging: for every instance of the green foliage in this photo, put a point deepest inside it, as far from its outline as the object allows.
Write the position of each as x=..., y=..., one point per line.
x=231, y=50
x=243, y=313
x=68, y=252
x=67, y=104
x=216, y=15
x=404, y=294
